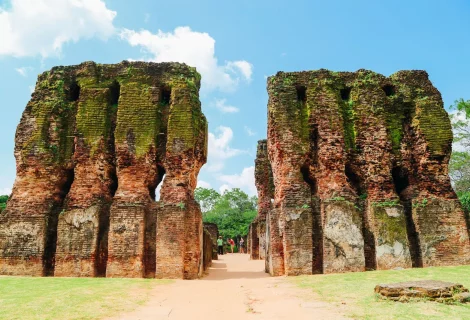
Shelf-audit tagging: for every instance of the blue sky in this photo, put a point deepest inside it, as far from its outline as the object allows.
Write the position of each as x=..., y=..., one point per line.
x=235, y=45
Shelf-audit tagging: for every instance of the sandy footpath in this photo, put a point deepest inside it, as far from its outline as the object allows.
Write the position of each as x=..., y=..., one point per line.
x=235, y=288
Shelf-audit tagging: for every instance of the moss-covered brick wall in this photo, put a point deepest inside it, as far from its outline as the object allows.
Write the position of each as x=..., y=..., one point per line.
x=92, y=146
x=374, y=143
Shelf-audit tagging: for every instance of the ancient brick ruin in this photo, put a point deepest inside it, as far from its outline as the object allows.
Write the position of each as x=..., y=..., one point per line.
x=360, y=166
x=93, y=144
x=257, y=245
x=214, y=234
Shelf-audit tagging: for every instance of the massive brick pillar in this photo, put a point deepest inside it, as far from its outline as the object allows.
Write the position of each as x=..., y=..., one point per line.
x=43, y=150
x=439, y=221
x=92, y=146
x=360, y=166
x=291, y=220
x=326, y=170
x=179, y=223
x=83, y=225
x=137, y=130
x=265, y=186
x=370, y=173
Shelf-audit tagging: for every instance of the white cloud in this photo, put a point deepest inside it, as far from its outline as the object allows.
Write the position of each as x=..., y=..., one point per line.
x=243, y=66
x=42, y=27
x=196, y=49
x=203, y=184
x=223, y=188
x=249, y=132
x=221, y=104
x=219, y=148
x=23, y=71
x=245, y=181
x=5, y=191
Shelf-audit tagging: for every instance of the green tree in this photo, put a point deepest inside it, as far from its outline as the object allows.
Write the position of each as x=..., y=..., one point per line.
x=459, y=165
x=3, y=202
x=232, y=211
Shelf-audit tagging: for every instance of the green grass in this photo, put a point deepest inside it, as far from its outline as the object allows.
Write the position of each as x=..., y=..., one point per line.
x=71, y=298
x=355, y=293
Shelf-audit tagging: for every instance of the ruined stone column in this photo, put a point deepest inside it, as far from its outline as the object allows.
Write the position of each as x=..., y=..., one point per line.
x=84, y=223
x=93, y=145
x=265, y=186
x=179, y=222
x=360, y=166
x=371, y=167
x=439, y=221
x=43, y=151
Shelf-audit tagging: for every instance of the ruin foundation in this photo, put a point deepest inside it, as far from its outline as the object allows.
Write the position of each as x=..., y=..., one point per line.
x=360, y=168
x=92, y=146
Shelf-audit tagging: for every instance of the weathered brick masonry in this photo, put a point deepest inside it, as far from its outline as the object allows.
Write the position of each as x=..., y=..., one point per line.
x=264, y=184
x=360, y=166
x=214, y=232
x=92, y=146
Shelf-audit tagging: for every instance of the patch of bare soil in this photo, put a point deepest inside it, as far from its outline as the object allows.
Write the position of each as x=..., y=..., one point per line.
x=235, y=288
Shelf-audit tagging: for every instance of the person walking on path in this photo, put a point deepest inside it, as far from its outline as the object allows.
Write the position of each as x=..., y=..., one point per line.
x=242, y=245
x=220, y=245
x=231, y=243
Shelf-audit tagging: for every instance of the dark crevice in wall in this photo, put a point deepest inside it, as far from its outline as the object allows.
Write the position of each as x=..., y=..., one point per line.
x=401, y=182
x=163, y=111
x=50, y=241
x=301, y=93
x=345, y=94
x=101, y=258
x=165, y=96
x=73, y=93
x=317, y=226
x=114, y=92
x=389, y=90
x=370, y=251
x=150, y=222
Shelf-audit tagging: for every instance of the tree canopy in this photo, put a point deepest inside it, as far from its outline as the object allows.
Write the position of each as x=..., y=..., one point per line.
x=232, y=211
x=3, y=202
x=459, y=166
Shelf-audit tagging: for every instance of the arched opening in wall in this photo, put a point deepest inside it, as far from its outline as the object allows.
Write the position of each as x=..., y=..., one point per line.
x=301, y=93
x=389, y=90
x=345, y=94
x=401, y=183
x=51, y=224
x=150, y=237
x=73, y=92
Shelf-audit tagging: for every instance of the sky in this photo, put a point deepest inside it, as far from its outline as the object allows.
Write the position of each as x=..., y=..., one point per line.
x=235, y=45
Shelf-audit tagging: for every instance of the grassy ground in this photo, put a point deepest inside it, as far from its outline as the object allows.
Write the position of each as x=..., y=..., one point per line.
x=71, y=298
x=355, y=293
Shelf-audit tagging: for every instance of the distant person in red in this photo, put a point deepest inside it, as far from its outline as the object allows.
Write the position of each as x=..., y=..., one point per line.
x=231, y=243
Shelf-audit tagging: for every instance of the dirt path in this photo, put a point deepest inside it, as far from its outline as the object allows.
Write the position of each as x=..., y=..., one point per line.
x=235, y=288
